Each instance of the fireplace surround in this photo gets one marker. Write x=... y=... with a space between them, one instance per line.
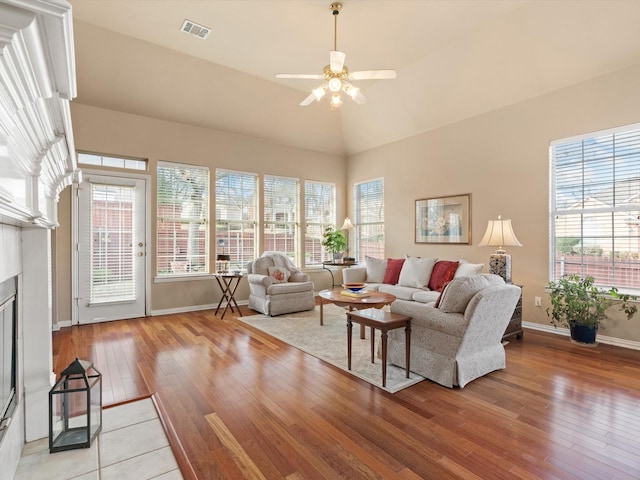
x=37 y=161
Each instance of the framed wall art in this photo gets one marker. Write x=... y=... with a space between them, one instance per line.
x=443 y=220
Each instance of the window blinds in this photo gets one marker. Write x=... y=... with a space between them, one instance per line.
x=369 y=216
x=595 y=207
x=182 y=219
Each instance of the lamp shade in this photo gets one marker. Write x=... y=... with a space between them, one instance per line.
x=347 y=225
x=499 y=234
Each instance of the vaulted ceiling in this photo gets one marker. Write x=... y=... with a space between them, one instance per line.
x=455 y=59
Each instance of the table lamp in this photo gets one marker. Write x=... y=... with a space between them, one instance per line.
x=500 y=234
x=347 y=225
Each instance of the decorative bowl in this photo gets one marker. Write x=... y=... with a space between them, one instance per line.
x=354 y=287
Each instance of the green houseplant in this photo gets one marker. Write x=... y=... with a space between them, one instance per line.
x=334 y=241
x=577 y=304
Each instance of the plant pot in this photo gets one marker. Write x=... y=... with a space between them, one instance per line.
x=337 y=256
x=583 y=334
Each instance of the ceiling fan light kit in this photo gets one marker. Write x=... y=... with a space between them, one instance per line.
x=337 y=76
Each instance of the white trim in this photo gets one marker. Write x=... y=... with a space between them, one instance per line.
x=187 y=309
x=182 y=278
x=163 y=163
x=618 y=342
x=595 y=134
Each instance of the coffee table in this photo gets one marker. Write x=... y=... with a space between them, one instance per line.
x=373 y=300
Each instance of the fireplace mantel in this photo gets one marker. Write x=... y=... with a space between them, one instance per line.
x=37 y=82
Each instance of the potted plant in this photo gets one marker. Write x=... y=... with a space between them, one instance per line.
x=576 y=303
x=334 y=241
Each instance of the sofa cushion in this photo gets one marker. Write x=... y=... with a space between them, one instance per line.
x=416 y=272
x=443 y=272
x=425 y=296
x=278 y=274
x=289 y=287
x=376 y=268
x=404 y=293
x=466 y=269
x=457 y=294
x=394 y=267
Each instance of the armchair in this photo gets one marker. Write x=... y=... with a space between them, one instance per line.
x=277 y=286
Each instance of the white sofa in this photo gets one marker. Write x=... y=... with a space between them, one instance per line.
x=277 y=286
x=456 y=334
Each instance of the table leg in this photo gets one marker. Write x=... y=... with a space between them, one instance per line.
x=321 y=312
x=233 y=294
x=373 y=336
x=407 y=339
x=384 y=358
x=349 y=330
x=362 y=331
x=222 y=297
x=228 y=295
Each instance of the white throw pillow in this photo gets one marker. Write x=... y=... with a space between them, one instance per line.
x=279 y=274
x=376 y=269
x=466 y=269
x=416 y=272
x=457 y=294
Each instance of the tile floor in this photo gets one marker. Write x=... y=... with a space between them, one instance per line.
x=131 y=446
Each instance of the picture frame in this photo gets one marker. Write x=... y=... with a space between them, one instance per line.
x=443 y=220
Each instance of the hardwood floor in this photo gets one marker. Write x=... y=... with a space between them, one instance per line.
x=245 y=405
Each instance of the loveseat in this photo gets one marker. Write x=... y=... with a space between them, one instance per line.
x=457 y=325
x=277 y=286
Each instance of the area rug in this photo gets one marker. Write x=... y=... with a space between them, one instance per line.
x=329 y=343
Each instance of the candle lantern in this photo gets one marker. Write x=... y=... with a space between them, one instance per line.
x=222 y=263
x=75 y=407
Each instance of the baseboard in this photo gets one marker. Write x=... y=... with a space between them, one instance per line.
x=618 y=342
x=60 y=324
x=192 y=308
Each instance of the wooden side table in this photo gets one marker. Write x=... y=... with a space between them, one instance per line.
x=326 y=265
x=383 y=321
x=228 y=283
x=514 y=328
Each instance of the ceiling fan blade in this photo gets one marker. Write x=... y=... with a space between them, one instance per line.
x=307 y=101
x=373 y=75
x=359 y=97
x=299 y=75
x=336 y=60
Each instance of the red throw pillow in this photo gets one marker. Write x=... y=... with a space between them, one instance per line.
x=394 y=266
x=443 y=272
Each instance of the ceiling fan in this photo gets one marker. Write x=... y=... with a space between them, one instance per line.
x=337 y=77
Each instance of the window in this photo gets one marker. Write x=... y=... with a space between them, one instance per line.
x=236 y=216
x=281 y=215
x=369 y=209
x=320 y=213
x=182 y=219
x=116 y=162
x=595 y=207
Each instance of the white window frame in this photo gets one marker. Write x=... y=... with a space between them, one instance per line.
x=320 y=213
x=232 y=227
x=368 y=219
x=279 y=218
x=199 y=222
x=601 y=212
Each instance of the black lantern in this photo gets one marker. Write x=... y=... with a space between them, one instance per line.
x=75 y=407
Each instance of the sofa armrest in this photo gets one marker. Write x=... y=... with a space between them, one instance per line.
x=354 y=274
x=259 y=279
x=299 y=277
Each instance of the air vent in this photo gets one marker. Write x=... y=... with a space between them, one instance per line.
x=195 y=29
